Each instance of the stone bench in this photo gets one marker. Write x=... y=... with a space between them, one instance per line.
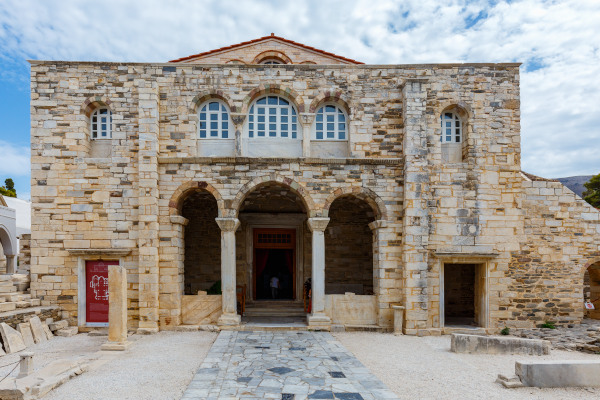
x=474 y=344
x=549 y=374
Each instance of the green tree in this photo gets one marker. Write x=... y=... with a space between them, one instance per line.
x=8 y=189
x=592 y=194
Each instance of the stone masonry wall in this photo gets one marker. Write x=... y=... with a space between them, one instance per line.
x=562 y=238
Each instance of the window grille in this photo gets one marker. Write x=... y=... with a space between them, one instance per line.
x=214 y=121
x=101 y=124
x=331 y=124
x=272 y=116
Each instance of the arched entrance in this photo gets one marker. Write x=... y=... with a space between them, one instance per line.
x=349 y=247
x=7 y=251
x=591 y=290
x=273 y=245
x=202 y=243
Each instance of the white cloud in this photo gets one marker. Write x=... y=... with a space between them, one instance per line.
x=15 y=160
x=556 y=39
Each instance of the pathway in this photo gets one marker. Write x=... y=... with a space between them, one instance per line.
x=283 y=365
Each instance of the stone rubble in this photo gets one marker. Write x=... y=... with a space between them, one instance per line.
x=584 y=337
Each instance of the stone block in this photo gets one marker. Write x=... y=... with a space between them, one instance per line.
x=47 y=331
x=55 y=326
x=67 y=332
x=25 y=331
x=13 y=341
x=474 y=344
x=37 y=330
x=555 y=373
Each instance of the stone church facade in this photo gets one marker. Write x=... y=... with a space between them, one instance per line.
x=385 y=184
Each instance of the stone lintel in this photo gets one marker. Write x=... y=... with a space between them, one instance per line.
x=459 y=255
x=109 y=252
x=179 y=220
x=228 y=224
x=317 y=224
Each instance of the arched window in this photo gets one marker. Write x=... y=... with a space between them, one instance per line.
x=272 y=116
x=214 y=120
x=331 y=123
x=451 y=125
x=271 y=61
x=101 y=123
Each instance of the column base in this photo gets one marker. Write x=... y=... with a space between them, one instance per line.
x=147 y=331
x=115 y=346
x=319 y=321
x=229 y=319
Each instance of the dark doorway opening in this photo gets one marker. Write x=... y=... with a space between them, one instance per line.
x=459 y=294
x=275 y=267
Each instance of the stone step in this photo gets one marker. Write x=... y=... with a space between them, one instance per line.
x=10 y=306
x=274 y=313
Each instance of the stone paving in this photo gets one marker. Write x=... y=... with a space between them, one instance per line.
x=283 y=365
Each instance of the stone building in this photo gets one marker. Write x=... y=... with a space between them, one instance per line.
x=8 y=238
x=384 y=184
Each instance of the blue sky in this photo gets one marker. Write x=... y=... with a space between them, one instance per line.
x=558 y=43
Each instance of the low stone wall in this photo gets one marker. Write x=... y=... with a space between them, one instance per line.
x=498 y=345
x=18 y=316
x=350 y=309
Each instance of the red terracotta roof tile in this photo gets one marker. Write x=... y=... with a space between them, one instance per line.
x=272 y=36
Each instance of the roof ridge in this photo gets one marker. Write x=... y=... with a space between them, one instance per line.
x=272 y=36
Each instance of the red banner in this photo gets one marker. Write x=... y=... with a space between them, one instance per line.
x=96 y=278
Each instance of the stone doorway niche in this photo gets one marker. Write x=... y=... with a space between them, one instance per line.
x=591 y=290
x=274 y=256
x=463 y=300
x=202 y=244
x=273 y=208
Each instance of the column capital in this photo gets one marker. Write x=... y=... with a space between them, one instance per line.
x=380 y=223
x=228 y=224
x=317 y=224
x=307 y=118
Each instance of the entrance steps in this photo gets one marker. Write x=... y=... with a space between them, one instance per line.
x=274 y=309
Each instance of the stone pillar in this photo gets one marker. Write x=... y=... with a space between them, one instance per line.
x=25 y=365
x=307 y=120
x=238 y=123
x=117 y=309
x=11 y=264
x=416 y=214
x=148 y=241
x=317 y=318
x=228 y=227
x=383 y=284
x=398 y=319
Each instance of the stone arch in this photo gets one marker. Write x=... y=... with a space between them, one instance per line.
x=260 y=181
x=272 y=54
x=464 y=109
x=595 y=260
x=236 y=61
x=370 y=197
x=329 y=97
x=176 y=201
x=273 y=88
x=9 y=244
x=213 y=94
x=92 y=103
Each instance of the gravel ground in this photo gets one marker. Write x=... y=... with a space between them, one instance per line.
x=424 y=368
x=154 y=367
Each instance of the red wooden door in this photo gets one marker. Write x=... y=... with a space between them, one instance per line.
x=96 y=278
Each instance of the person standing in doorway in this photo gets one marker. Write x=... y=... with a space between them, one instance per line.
x=274 y=286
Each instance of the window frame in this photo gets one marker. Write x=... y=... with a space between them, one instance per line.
x=219 y=113
x=339 y=111
x=292 y=115
x=456 y=130
x=95 y=119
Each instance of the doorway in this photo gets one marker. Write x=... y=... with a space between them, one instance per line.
x=464 y=295
x=274 y=264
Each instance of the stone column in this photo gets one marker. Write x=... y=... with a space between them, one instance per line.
x=228 y=227
x=238 y=123
x=11 y=264
x=307 y=120
x=117 y=309
x=384 y=285
x=317 y=317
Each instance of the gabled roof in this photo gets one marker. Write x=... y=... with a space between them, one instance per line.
x=262 y=39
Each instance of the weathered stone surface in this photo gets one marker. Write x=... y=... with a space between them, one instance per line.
x=117 y=313
x=54 y=326
x=201 y=309
x=47 y=331
x=12 y=340
x=37 y=330
x=557 y=373
x=475 y=344
x=25 y=331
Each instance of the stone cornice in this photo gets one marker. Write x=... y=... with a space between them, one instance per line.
x=109 y=252
x=279 y=160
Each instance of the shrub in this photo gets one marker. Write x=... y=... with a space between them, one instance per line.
x=505 y=331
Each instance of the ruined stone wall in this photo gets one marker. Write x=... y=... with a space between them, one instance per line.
x=562 y=238
x=25 y=252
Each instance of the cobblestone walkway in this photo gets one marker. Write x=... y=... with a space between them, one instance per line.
x=283 y=365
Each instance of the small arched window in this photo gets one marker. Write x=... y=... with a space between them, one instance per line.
x=331 y=123
x=272 y=116
x=214 y=120
x=101 y=123
x=271 y=61
x=451 y=125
